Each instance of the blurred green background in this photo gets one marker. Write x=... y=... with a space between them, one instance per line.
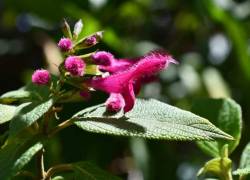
x=210 y=39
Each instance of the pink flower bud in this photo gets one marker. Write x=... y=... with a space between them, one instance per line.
x=115 y=102
x=41 y=77
x=103 y=58
x=90 y=41
x=75 y=65
x=65 y=44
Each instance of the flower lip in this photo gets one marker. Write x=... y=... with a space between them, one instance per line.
x=41 y=77
x=75 y=65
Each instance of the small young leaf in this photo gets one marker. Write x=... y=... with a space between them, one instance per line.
x=226 y=115
x=77 y=29
x=149 y=119
x=6 y=113
x=15 y=155
x=244 y=162
x=27 y=114
x=66 y=29
x=216 y=167
x=92 y=70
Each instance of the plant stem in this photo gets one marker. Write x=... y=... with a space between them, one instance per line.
x=242 y=177
x=61 y=126
x=58 y=168
x=40 y=164
x=226 y=164
x=27 y=174
x=228 y=176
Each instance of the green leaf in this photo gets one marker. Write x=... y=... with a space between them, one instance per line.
x=15 y=155
x=216 y=167
x=6 y=113
x=86 y=171
x=92 y=70
x=66 y=29
x=27 y=114
x=3 y=138
x=244 y=162
x=226 y=115
x=149 y=119
x=30 y=92
x=15 y=95
x=77 y=29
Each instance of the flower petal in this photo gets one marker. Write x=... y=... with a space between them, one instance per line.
x=129 y=97
x=112 y=84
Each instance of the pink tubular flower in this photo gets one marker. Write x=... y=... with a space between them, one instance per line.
x=117 y=65
x=41 y=77
x=75 y=65
x=103 y=58
x=65 y=44
x=115 y=102
x=126 y=82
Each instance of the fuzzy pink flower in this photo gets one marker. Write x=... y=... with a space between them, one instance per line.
x=65 y=44
x=103 y=58
x=115 y=102
x=75 y=65
x=41 y=77
x=90 y=41
x=127 y=81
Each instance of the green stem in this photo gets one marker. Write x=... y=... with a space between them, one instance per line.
x=226 y=164
x=61 y=126
x=27 y=174
x=40 y=164
x=58 y=168
x=228 y=175
x=242 y=177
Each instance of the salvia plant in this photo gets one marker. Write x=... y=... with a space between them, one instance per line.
x=31 y=110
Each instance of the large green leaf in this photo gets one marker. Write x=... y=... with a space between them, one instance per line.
x=6 y=113
x=226 y=115
x=244 y=162
x=149 y=119
x=15 y=155
x=86 y=171
x=27 y=114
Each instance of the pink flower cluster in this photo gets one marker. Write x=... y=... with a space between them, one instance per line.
x=123 y=77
